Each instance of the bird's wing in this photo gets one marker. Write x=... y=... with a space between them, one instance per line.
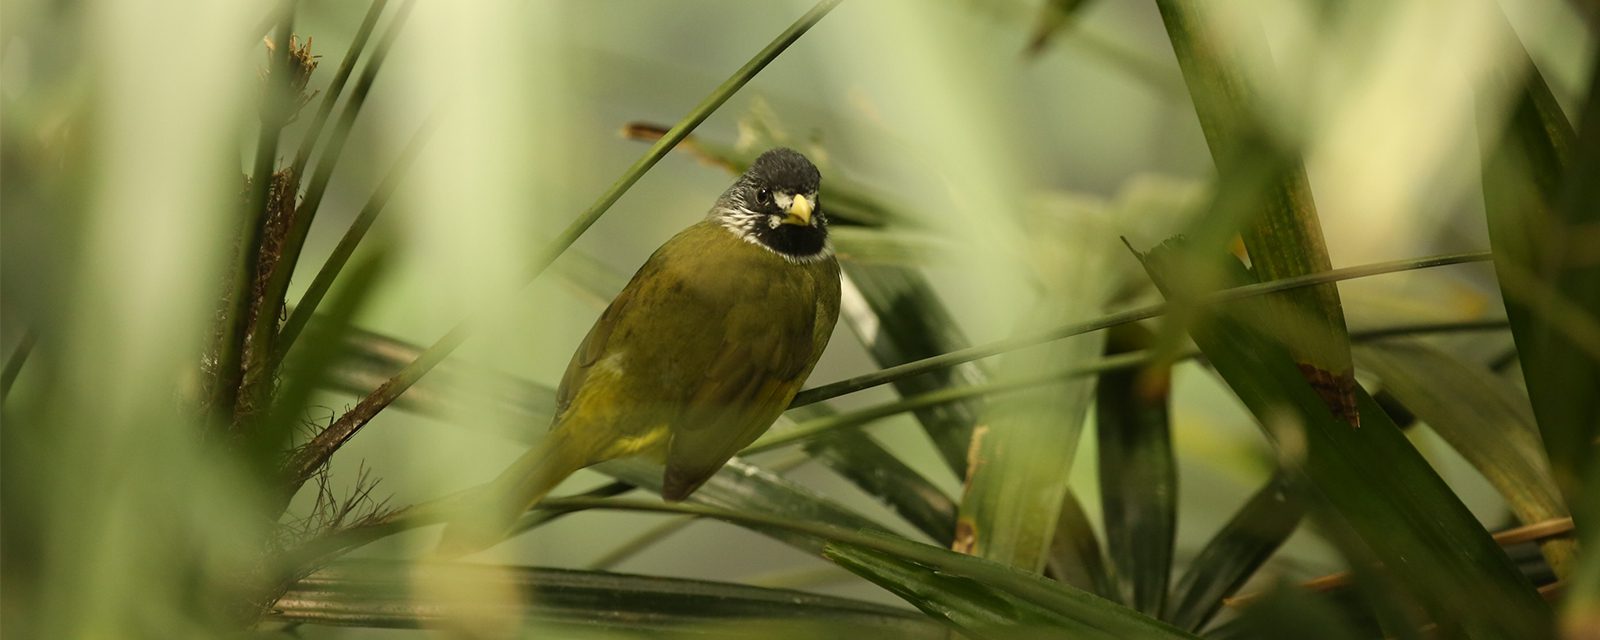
x=595 y=343
x=758 y=365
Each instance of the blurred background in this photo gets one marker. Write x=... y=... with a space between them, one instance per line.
x=1014 y=149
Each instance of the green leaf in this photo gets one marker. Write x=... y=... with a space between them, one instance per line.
x=1371 y=476
x=1281 y=232
x=1483 y=418
x=1234 y=554
x=1138 y=475
x=387 y=594
x=1539 y=199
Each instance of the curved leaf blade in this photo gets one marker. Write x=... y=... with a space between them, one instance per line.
x=1138 y=474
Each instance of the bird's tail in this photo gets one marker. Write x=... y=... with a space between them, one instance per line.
x=490 y=512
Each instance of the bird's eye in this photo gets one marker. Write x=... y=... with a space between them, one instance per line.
x=764 y=195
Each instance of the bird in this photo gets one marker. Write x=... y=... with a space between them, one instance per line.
x=697 y=356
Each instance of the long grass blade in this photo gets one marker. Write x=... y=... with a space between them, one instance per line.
x=317 y=452
x=1282 y=233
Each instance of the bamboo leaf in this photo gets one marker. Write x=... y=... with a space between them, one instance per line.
x=1138 y=475
x=385 y=594
x=1234 y=554
x=1372 y=477
x=1282 y=232
x=1539 y=194
x=1489 y=423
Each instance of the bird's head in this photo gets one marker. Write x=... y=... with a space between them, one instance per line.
x=774 y=204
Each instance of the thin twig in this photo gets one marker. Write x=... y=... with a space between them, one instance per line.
x=317 y=452
x=942 y=361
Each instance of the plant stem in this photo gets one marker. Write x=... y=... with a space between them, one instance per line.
x=316 y=453
x=229 y=372
x=918 y=367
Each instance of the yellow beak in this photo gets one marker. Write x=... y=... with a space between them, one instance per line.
x=799 y=211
